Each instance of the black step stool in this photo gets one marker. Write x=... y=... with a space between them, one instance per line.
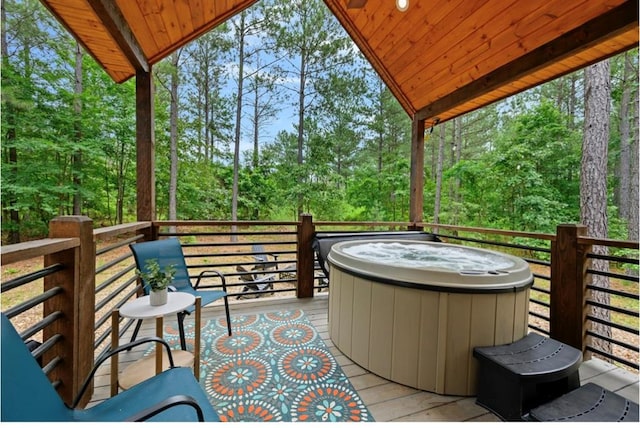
x=589 y=403
x=514 y=378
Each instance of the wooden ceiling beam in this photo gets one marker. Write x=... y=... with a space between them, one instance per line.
x=615 y=22
x=356 y=4
x=114 y=22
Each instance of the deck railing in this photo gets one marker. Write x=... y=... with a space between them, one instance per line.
x=86 y=273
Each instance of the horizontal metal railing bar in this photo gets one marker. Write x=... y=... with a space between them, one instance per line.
x=613 y=291
x=112 y=263
x=55 y=362
x=613 y=275
x=613 y=308
x=121 y=273
x=540 y=276
x=391 y=225
x=541 y=290
x=220 y=255
x=40 y=325
x=496 y=243
x=539 y=302
x=46 y=345
x=121 y=302
x=236 y=233
x=102 y=303
x=225 y=244
x=614 y=341
x=30 y=277
x=614 y=325
x=117 y=245
x=246 y=244
x=617 y=259
x=107 y=334
x=34 y=301
x=536 y=328
x=488 y=231
x=215 y=266
x=612 y=357
x=240 y=223
x=258 y=292
x=537 y=262
x=262 y=273
x=541 y=316
x=588 y=240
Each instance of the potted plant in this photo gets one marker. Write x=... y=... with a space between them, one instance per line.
x=157 y=279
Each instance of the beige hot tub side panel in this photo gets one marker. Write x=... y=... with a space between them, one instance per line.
x=421 y=338
x=361 y=327
x=406 y=335
x=346 y=314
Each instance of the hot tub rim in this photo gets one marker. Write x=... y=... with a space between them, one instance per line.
x=461 y=289
x=470 y=288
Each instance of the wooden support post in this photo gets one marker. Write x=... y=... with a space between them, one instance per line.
x=568 y=286
x=145 y=147
x=416 y=198
x=305 y=272
x=76 y=302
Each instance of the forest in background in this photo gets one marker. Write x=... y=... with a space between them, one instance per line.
x=276 y=113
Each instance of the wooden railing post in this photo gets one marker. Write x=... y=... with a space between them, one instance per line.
x=568 y=286
x=305 y=272
x=76 y=302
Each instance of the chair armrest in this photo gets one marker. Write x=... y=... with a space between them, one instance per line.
x=215 y=274
x=113 y=352
x=174 y=400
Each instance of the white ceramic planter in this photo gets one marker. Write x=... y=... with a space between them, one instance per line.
x=158 y=298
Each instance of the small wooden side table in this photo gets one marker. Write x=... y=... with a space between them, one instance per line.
x=157 y=362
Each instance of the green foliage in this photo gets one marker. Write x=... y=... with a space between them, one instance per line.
x=512 y=165
x=155 y=277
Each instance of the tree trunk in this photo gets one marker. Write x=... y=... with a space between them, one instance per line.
x=457 y=199
x=10 y=137
x=624 y=162
x=436 y=208
x=236 y=149
x=173 y=140
x=301 y=111
x=593 y=185
x=634 y=180
x=256 y=128
x=76 y=162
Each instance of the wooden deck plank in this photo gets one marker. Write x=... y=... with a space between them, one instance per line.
x=404 y=406
x=460 y=410
x=387 y=401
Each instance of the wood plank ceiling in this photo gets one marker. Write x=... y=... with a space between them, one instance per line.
x=440 y=59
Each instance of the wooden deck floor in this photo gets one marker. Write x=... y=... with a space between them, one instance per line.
x=387 y=401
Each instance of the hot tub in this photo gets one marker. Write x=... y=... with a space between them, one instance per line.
x=412 y=312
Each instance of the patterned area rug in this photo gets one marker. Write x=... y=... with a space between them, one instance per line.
x=275 y=367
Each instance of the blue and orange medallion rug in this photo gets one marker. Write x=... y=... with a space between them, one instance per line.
x=275 y=367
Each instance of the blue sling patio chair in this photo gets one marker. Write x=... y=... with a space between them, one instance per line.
x=168 y=252
x=28 y=396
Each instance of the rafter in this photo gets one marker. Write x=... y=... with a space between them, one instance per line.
x=617 y=21
x=115 y=23
x=356 y=4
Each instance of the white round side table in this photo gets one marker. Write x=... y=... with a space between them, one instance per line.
x=157 y=362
